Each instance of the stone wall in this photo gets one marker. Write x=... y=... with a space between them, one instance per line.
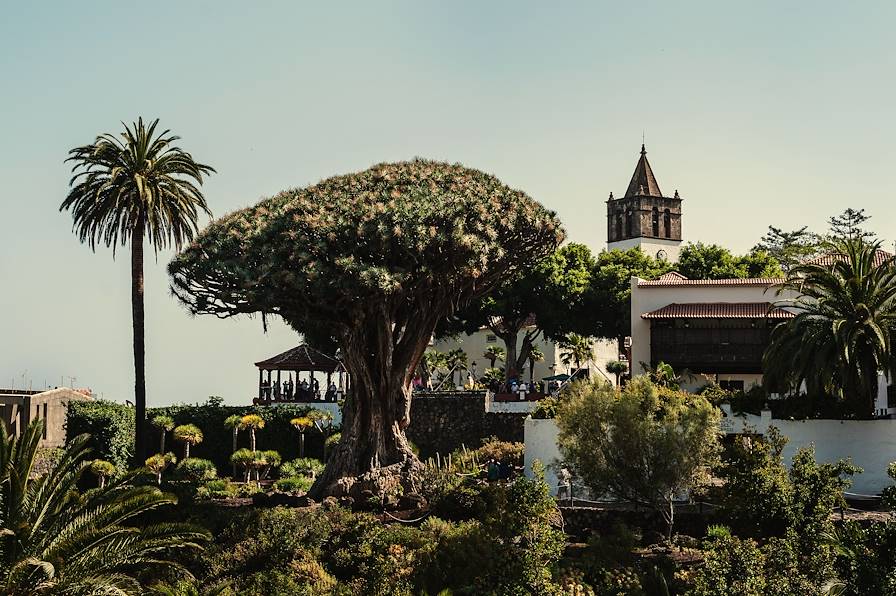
x=442 y=424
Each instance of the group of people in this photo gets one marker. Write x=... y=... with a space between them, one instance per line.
x=303 y=392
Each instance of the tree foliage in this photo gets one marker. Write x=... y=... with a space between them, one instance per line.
x=849 y=226
x=788 y=248
x=374 y=259
x=711 y=261
x=841 y=338
x=638 y=445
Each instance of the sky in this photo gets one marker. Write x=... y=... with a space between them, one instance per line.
x=759 y=113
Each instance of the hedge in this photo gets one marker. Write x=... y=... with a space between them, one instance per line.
x=111 y=426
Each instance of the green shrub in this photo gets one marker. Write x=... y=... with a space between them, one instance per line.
x=110 y=426
x=546 y=409
x=220 y=488
x=293 y=484
x=196 y=469
x=303 y=466
x=501 y=451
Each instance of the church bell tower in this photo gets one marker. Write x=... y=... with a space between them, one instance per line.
x=644 y=218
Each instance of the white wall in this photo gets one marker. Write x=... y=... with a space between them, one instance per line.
x=870 y=444
x=540 y=437
x=650 y=246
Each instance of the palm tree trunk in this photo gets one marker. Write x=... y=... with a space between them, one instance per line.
x=252 y=438
x=235 y=431
x=162 y=445
x=139 y=347
x=301 y=444
x=186 y=450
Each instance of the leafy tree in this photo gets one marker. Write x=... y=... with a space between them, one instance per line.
x=840 y=339
x=105 y=541
x=188 y=434
x=848 y=226
x=493 y=354
x=535 y=355
x=253 y=422
x=165 y=424
x=788 y=248
x=103 y=470
x=576 y=348
x=550 y=298
x=634 y=445
x=376 y=259
x=124 y=190
x=617 y=368
x=158 y=463
x=711 y=261
x=611 y=289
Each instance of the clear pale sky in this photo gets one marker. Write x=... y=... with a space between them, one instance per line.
x=758 y=113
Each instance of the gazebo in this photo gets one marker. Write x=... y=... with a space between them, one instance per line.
x=301 y=359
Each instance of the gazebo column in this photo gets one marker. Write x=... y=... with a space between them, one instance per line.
x=260 y=383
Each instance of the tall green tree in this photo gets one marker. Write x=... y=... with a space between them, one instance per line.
x=711 y=261
x=611 y=289
x=56 y=540
x=550 y=298
x=849 y=226
x=377 y=258
x=841 y=338
x=127 y=188
x=788 y=248
x=636 y=445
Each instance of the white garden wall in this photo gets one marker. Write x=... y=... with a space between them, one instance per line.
x=870 y=444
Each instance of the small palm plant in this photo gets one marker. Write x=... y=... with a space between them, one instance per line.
x=493 y=354
x=457 y=361
x=233 y=422
x=188 y=434
x=158 y=463
x=302 y=423
x=535 y=355
x=102 y=469
x=618 y=368
x=576 y=348
x=253 y=422
x=165 y=424
x=56 y=540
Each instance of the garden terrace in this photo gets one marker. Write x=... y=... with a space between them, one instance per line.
x=274 y=389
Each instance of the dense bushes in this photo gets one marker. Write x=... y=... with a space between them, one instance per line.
x=111 y=426
x=513 y=549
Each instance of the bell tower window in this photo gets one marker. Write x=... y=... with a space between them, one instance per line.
x=655 y=220
x=667 y=223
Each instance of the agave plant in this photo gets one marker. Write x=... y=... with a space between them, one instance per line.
x=56 y=540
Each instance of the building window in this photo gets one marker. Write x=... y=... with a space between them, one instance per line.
x=656 y=222
x=667 y=224
x=491 y=338
x=628 y=225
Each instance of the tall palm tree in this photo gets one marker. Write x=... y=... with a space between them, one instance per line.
x=576 y=348
x=56 y=540
x=126 y=188
x=535 y=355
x=841 y=338
x=494 y=353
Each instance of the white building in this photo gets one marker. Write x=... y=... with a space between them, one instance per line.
x=713 y=328
x=476 y=344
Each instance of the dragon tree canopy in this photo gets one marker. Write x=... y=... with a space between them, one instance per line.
x=300 y=359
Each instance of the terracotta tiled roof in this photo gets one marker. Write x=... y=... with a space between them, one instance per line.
x=301 y=358
x=643 y=181
x=880 y=257
x=665 y=281
x=719 y=310
x=671 y=276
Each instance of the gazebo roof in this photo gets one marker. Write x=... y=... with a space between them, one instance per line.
x=301 y=358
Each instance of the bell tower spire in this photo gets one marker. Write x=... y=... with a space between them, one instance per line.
x=643 y=217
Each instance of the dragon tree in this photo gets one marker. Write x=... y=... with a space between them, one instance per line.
x=372 y=260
